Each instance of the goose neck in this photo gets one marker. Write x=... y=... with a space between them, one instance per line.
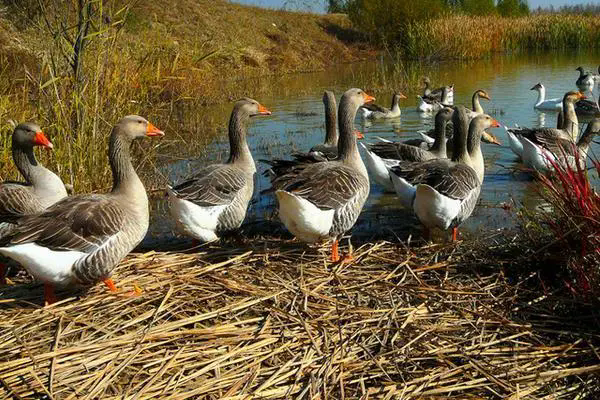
x=125 y=180
x=347 y=148
x=476 y=104
x=541 y=95
x=439 y=144
x=570 y=120
x=331 y=134
x=239 y=152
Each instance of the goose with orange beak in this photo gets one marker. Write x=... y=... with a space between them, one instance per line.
x=214 y=200
x=81 y=239
x=41 y=187
x=443 y=193
x=322 y=201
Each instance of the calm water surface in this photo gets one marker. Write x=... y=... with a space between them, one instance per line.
x=297 y=124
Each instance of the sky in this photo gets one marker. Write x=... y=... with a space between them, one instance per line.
x=319 y=5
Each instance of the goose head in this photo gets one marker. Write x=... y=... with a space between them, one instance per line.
x=398 y=96
x=487 y=137
x=538 y=86
x=250 y=107
x=483 y=94
x=573 y=96
x=136 y=127
x=29 y=134
x=580 y=69
x=426 y=81
x=445 y=114
x=484 y=121
x=356 y=97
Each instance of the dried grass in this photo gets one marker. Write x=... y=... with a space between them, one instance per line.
x=274 y=319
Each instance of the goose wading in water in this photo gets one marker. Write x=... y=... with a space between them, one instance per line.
x=582 y=106
x=431 y=105
x=215 y=199
x=318 y=201
x=437 y=94
x=41 y=187
x=570 y=130
x=326 y=151
x=374 y=111
x=443 y=193
x=427 y=138
x=545 y=154
x=381 y=156
x=586 y=81
x=81 y=239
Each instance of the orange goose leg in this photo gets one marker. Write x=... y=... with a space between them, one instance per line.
x=335 y=256
x=49 y=297
x=111 y=285
x=454 y=234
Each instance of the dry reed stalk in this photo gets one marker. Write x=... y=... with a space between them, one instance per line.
x=274 y=320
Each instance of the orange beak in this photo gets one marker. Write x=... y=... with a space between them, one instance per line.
x=581 y=96
x=367 y=98
x=359 y=135
x=489 y=138
x=41 y=140
x=262 y=110
x=402 y=96
x=495 y=124
x=151 y=130
x=485 y=96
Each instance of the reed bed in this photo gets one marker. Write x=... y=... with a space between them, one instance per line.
x=272 y=319
x=473 y=37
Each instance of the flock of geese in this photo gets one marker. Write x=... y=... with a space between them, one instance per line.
x=66 y=240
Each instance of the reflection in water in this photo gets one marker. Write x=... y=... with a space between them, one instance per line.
x=297 y=123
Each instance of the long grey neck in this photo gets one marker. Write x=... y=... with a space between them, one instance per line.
x=395 y=104
x=570 y=121
x=347 y=148
x=239 y=151
x=476 y=105
x=439 y=144
x=125 y=179
x=27 y=164
x=445 y=93
x=474 y=148
x=331 y=134
x=46 y=184
x=461 y=129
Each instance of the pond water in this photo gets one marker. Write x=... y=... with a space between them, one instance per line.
x=297 y=124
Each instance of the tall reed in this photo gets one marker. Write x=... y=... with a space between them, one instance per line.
x=471 y=37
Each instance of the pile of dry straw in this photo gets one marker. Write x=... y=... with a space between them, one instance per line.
x=275 y=319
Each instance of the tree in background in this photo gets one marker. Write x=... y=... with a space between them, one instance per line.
x=478 y=7
x=513 y=8
x=337 y=6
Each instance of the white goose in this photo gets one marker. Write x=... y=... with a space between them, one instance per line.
x=322 y=200
x=215 y=199
x=443 y=193
x=374 y=111
x=570 y=128
x=546 y=104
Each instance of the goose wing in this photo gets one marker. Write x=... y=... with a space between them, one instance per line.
x=80 y=223
x=16 y=201
x=375 y=107
x=328 y=186
x=212 y=186
x=541 y=136
x=451 y=179
x=400 y=151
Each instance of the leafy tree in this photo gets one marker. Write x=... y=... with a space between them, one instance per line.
x=513 y=8
x=479 y=7
x=337 y=6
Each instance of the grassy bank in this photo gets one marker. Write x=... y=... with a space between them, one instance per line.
x=269 y=319
x=465 y=37
x=142 y=57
